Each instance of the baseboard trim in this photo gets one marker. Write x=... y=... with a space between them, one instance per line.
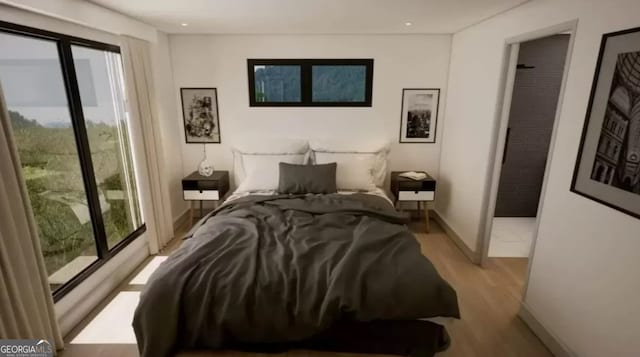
x=181 y=219
x=455 y=237
x=552 y=342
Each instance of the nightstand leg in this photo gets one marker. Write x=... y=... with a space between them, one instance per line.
x=191 y=213
x=426 y=216
x=201 y=214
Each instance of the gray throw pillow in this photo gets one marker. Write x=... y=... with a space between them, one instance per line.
x=307 y=178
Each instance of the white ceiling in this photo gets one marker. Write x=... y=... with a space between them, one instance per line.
x=310 y=16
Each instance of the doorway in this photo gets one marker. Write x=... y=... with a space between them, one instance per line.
x=532 y=86
x=534 y=101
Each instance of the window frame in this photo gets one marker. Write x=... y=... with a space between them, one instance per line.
x=306 y=80
x=76 y=112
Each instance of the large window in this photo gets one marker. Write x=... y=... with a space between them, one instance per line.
x=310 y=82
x=67 y=109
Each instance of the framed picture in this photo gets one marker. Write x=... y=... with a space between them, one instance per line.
x=200 y=113
x=608 y=165
x=419 y=115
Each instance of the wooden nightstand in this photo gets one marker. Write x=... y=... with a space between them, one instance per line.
x=196 y=187
x=419 y=191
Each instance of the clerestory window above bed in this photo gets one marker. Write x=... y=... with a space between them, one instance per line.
x=310 y=82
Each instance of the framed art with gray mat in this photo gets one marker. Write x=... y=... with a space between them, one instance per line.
x=608 y=165
x=419 y=115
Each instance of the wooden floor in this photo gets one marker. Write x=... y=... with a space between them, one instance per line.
x=489 y=301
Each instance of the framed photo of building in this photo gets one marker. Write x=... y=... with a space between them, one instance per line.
x=419 y=115
x=608 y=165
x=200 y=113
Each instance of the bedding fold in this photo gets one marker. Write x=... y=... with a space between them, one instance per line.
x=271 y=269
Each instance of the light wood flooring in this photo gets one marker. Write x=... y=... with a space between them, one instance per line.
x=489 y=301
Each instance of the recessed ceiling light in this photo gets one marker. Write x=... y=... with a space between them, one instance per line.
x=184 y=24
x=408 y=23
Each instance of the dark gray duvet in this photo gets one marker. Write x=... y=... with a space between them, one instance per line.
x=285 y=268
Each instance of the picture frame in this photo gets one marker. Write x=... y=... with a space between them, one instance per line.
x=607 y=168
x=200 y=115
x=419 y=115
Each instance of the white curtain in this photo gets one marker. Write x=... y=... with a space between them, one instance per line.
x=26 y=305
x=136 y=56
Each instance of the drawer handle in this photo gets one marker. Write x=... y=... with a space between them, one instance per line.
x=416 y=192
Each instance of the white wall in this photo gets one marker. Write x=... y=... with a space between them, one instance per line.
x=28 y=18
x=401 y=61
x=585 y=273
x=85 y=13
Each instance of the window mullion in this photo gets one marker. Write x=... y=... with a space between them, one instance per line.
x=305 y=82
x=82 y=142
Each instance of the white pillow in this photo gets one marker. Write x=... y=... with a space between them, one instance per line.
x=376 y=149
x=350 y=145
x=259 y=145
x=262 y=172
x=253 y=144
x=353 y=172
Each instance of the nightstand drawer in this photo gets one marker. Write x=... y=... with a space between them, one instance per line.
x=194 y=185
x=210 y=195
x=410 y=185
x=416 y=195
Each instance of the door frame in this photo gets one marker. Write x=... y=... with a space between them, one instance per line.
x=501 y=122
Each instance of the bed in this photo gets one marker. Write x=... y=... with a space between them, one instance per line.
x=268 y=268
